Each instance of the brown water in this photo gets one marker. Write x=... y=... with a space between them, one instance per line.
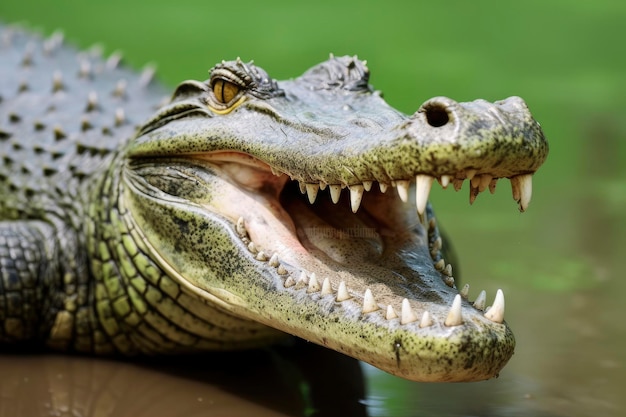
x=560 y=265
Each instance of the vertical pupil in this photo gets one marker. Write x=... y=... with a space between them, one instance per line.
x=221 y=85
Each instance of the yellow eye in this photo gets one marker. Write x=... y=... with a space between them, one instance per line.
x=225 y=91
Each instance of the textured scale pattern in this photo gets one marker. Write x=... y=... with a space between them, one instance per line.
x=63 y=114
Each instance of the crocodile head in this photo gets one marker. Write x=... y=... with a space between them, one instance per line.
x=272 y=201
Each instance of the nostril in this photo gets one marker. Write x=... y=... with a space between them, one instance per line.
x=436 y=114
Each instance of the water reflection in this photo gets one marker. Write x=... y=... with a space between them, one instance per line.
x=273 y=382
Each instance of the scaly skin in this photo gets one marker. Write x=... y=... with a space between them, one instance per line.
x=192 y=232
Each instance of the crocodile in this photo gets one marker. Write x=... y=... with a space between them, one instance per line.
x=241 y=211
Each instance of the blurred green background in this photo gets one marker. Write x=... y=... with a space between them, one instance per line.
x=566 y=58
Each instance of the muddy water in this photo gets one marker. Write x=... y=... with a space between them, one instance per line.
x=560 y=265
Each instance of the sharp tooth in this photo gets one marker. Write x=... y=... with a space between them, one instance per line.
x=440 y=264
x=449 y=281
x=342 y=292
x=356 y=194
x=426 y=321
x=437 y=244
x=311 y=192
x=323 y=185
x=302 y=187
x=432 y=223
x=457 y=184
x=335 y=193
x=290 y=282
x=448 y=270
x=473 y=193
x=496 y=312
x=465 y=291
x=274 y=261
x=367 y=185
x=326 y=287
x=391 y=313
x=492 y=185
x=369 y=304
x=403 y=190
x=302 y=281
x=455 y=317
x=241 y=228
x=422 y=189
x=261 y=256
x=479 y=303
x=383 y=187
x=252 y=247
x=526 y=190
x=444 y=181
x=475 y=181
x=281 y=270
x=469 y=173
x=485 y=180
x=407 y=314
x=314 y=285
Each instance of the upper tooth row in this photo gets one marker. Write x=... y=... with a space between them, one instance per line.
x=521 y=186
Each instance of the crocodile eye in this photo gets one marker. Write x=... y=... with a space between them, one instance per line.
x=225 y=91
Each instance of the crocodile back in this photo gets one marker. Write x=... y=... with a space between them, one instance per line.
x=63 y=115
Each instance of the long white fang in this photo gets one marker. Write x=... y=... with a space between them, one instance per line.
x=407 y=314
x=426 y=321
x=383 y=187
x=356 y=194
x=367 y=185
x=342 y=292
x=444 y=180
x=314 y=285
x=326 y=287
x=311 y=192
x=496 y=312
x=403 y=190
x=335 y=193
x=369 y=304
x=479 y=303
x=526 y=190
x=391 y=313
x=423 y=183
x=455 y=317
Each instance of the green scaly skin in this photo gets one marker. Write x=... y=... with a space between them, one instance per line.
x=135 y=225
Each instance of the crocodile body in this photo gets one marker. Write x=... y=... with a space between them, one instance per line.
x=241 y=209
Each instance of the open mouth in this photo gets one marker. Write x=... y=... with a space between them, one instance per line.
x=364 y=241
